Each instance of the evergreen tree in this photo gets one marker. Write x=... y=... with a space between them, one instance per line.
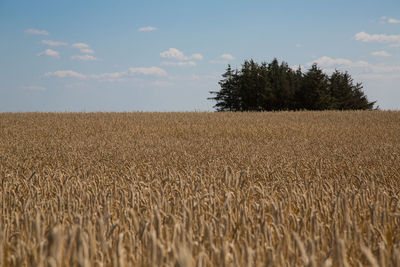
x=228 y=98
x=274 y=86
x=360 y=100
x=346 y=94
x=314 y=90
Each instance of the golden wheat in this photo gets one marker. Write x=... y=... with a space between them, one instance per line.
x=200 y=189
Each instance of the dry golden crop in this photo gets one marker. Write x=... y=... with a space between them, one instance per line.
x=200 y=189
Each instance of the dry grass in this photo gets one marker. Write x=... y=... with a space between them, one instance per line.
x=200 y=189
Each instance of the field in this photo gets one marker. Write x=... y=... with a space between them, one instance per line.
x=200 y=189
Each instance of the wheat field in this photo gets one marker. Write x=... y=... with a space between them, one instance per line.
x=200 y=189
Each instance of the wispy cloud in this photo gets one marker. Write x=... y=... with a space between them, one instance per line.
x=84 y=57
x=53 y=43
x=179 y=64
x=378 y=38
x=393 y=21
x=83 y=48
x=381 y=54
x=123 y=75
x=36 y=32
x=385 y=19
x=174 y=53
x=148 y=71
x=32 y=88
x=87 y=50
x=197 y=56
x=359 y=67
x=227 y=57
x=147 y=29
x=223 y=59
x=50 y=53
x=80 y=45
x=65 y=74
x=330 y=62
x=109 y=77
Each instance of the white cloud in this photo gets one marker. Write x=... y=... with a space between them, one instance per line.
x=298 y=45
x=177 y=54
x=393 y=21
x=227 y=57
x=80 y=45
x=50 y=53
x=148 y=71
x=385 y=19
x=381 y=54
x=147 y=29
x=173 y=53
x=197 y=56
x=53 y=43
x=361 y=68
x=36 y=32
x=83 y=48
x=32 y=88
x=112 y=75
x=330 y=62
x=179 y=64
x=65 y=74
x=222 y=59
x=108 y=77
x=379 y=38
x=84 y=57
x=86 y=50
x=126 y=75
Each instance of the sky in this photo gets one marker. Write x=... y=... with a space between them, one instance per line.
x=149 y=55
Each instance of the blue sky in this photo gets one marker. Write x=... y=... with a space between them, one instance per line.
x=166 y=55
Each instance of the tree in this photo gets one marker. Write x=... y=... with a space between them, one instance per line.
x=283 y=82
x=274 y=86
x=346 y=94
x=228 y=98
x=314 y=90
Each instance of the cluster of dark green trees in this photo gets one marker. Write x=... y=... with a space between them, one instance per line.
x=274 y=86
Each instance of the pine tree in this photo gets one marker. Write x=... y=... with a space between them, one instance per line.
x=274 y=86
x=346 y=94
x=228 y=98
x=314 y=91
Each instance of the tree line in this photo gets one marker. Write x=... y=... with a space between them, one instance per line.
x=273 y=86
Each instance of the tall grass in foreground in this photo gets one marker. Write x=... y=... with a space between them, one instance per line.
x=200 y=189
